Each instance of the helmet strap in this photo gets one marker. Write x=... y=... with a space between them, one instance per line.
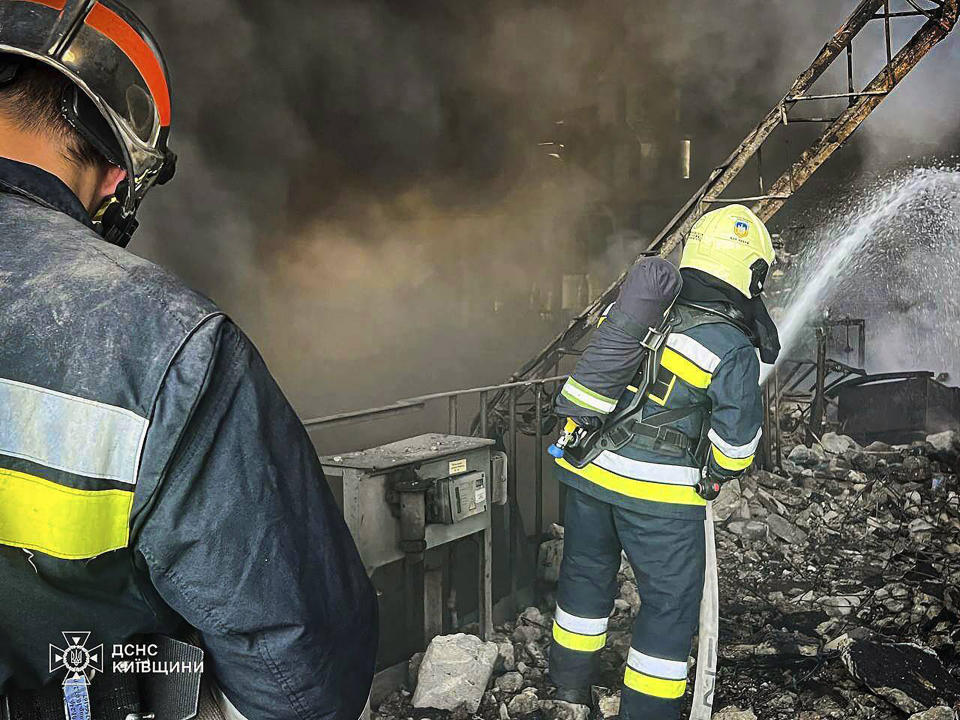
x=114 y=224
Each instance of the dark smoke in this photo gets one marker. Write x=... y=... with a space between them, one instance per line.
x=361 y=185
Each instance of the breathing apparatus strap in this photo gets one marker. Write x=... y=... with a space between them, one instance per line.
x=622 y=426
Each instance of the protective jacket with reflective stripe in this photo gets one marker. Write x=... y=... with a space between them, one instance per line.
x=152 y=475
x=711 y=366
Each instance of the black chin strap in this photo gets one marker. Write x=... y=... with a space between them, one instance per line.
x=114 y=225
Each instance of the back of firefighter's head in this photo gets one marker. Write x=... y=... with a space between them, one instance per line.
x=30 y=104
x=732 y=245
x=87 y=74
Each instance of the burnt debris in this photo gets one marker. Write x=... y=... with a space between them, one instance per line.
x=840 y=598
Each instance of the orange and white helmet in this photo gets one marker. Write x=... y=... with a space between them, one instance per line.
x=120 y=94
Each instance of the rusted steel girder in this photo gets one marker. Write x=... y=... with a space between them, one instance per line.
x=934 y=30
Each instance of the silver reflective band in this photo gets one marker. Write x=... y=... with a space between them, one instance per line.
x=694 y=351
x=653 y=472
x=735 y=452
x=574 y=392
x=580 y=625
x=658 y=667
x=70 y=433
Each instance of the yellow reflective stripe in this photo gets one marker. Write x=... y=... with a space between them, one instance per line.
x=66 y=523
x=649 y=685
x=575 y=641
x=663 y=400
x=685 y=369
x=655 y=492
x=729 y=463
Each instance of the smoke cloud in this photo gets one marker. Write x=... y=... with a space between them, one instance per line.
x=362 y=185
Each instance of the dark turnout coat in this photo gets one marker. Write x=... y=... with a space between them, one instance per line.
x=154 y=477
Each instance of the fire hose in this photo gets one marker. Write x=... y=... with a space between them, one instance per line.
x=706 y=681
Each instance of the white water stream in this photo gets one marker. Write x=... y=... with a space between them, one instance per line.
x=911 y=219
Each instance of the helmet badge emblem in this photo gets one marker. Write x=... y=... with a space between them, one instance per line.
x=741 y=228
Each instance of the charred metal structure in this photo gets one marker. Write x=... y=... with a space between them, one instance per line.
x=941 y=18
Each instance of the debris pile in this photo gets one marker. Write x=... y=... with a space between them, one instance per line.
x=840 y=598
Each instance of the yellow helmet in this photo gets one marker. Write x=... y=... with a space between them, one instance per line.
x=731 y=244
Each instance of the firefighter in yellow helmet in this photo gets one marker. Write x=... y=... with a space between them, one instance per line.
x=698 y=426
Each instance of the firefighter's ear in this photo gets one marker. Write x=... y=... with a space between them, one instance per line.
x=110 y=178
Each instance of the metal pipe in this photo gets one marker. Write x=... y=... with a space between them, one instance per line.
x=818 y=409
x=760 y=169
x=483 y=413
x=766 y=448
x=834 y=96
x=862 y=345
x=453 y=407
x=889 y=41
x=778 y=433
x=538 y=465
x=512 y=498
x=745 y=199
x=419 y=402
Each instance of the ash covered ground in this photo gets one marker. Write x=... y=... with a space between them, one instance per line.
x=839 y=598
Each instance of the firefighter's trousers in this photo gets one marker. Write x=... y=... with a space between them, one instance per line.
x=667 y=556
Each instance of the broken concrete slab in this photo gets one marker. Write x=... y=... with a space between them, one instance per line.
x=838 y=444
x=909 y=676
x=807 y=457
x=947 y=441
x=941 y=712
x=727 y=502
x=548 y=560
x=507 y=658
x=455 y=672
x=839 y=605
x=510 y=682
x=785 y=530
x=732 y=712
x=523 y=704
x=560 y=710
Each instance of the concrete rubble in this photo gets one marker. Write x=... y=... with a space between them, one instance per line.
x=840 y=599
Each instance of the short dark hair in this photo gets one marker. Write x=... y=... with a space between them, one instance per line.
x=32 y=100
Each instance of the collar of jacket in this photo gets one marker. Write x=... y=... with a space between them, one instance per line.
x=42 y=187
